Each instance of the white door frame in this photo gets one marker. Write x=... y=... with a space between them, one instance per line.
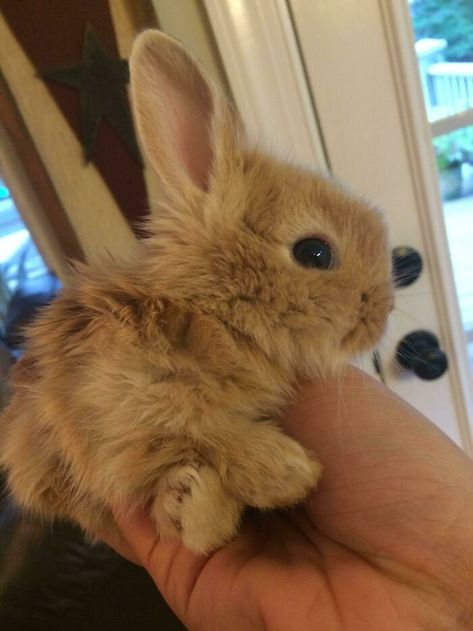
x=259 y=48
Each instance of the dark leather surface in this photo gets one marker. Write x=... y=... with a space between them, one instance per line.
x=52 y=580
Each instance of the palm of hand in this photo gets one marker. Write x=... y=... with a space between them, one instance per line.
x=385 y=542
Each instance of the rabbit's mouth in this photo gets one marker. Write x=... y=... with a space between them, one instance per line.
x=363 y=336
x=371 y=319
x=368 y=330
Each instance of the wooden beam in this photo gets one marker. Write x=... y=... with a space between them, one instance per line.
x=142 y=14
x=12 y=120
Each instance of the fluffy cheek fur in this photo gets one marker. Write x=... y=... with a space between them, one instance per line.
x=309 y=321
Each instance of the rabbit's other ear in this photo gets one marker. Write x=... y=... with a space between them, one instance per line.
x=184 y=122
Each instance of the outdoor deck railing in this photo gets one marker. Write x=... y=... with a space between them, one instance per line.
x=449 y=89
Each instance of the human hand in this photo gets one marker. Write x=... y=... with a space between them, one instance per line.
x=385 y=542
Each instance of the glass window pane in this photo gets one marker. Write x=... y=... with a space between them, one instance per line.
x=26 y=283
x=444 y=48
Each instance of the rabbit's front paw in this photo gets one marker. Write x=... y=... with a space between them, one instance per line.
x=278 y=472
x=191 y=503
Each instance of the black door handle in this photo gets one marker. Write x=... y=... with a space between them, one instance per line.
x=407 y=265
x=420 y=351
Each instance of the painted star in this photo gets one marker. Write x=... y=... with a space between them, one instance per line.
x=102 y=81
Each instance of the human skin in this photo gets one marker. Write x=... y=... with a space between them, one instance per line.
x=385 y=543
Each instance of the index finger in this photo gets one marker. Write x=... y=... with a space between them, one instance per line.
x=173 y=567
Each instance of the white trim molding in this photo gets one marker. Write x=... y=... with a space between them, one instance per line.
x=260 y=54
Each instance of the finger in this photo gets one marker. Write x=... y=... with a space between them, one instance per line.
x=138 y=533
x=392 y=481
x=369 y=441
x=323 y=404
x=117 y=542
x=354 y=418
x=173 y=567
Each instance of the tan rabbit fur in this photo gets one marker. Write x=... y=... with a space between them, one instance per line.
x=157 y=381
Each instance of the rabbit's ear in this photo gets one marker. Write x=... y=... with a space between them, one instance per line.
x=180 y=114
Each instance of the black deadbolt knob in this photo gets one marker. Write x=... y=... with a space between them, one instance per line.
x=420 y=351
x=407 y=265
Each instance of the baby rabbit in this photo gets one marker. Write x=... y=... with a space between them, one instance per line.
x=157 y=382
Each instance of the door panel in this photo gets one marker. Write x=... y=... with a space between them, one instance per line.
x=364 y=123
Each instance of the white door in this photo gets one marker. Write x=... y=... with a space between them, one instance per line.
x=347 y=72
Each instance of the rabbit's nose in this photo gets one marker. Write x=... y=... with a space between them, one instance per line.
x=378 y=300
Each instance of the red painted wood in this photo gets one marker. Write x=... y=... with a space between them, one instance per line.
x=51 y=32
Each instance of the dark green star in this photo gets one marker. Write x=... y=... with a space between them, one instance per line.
x=102 y=81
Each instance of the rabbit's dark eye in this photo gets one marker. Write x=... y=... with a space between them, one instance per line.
x=313 y=252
